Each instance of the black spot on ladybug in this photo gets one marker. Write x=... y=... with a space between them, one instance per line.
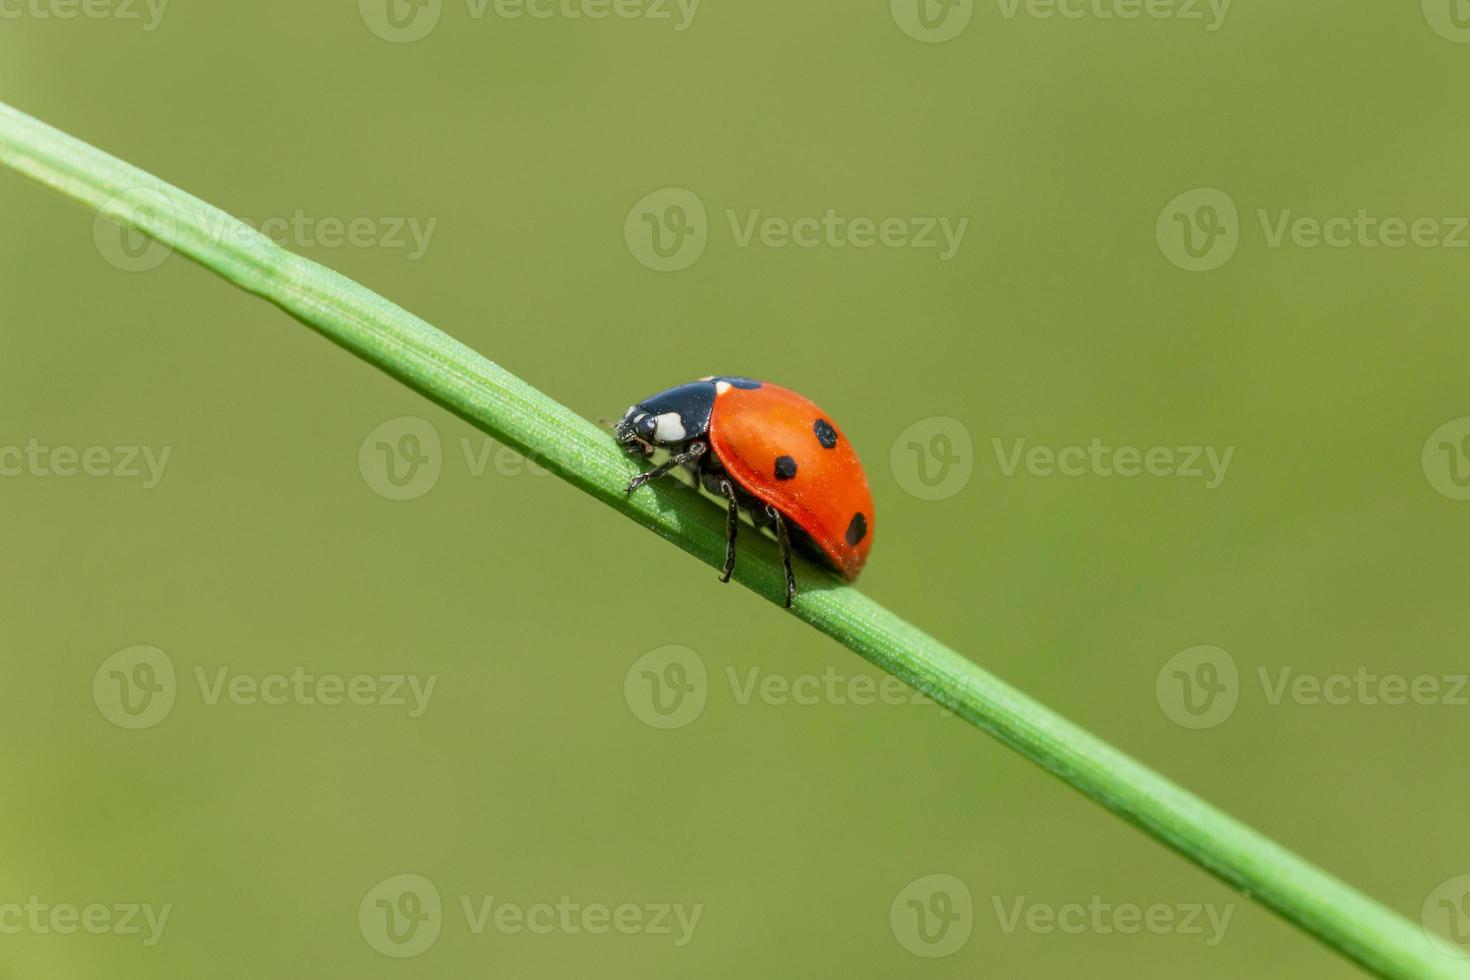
x=785 y=468
x=826 y=435
x=857 y=530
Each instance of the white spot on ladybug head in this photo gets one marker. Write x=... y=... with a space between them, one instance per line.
x=669 y=427
x=721 y=387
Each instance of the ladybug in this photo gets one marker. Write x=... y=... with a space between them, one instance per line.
x=769 y=451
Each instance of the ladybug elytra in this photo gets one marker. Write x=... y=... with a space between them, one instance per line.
x=768 y=451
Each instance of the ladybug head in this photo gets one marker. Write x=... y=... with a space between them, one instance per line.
x=638 y=431
x=668 y=419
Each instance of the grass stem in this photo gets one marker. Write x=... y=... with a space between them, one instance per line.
x=497 y=402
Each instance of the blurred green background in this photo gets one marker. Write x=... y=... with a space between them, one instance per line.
x=269 y=545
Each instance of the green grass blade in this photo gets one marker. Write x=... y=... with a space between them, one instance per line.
x=489 y=397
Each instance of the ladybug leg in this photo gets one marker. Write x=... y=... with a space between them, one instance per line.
x=695 y=450
x=785 y=541
x=731 y=527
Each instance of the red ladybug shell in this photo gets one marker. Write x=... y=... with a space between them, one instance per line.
x=789 y=454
